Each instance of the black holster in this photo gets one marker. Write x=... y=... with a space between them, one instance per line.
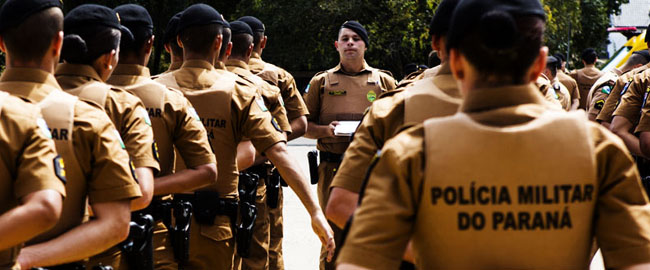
x=180 y=232
x=312 y=158
x=273 y=187
x=247 y=211
x=73 y=266
x=138 y=247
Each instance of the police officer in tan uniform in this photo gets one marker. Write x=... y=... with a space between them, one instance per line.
x=603 y=87
x=296 y=113
x=499 y=221
x=32 y=182
x=587 y=76
x=97 y=168
x=341 y=94
x=627 y=113
x=237 y=63
x=83 y=73
x=171 y=46
x=620 y=88
x=433 y=95
x=230 y=110
x=174 y=123
x=567 y=81
x=558 y=89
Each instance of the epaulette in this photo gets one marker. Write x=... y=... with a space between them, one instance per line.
x=411 y=78
x=390 y=93
x=387 y=72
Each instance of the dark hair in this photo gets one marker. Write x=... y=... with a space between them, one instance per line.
x=589 y=56
x=85 y=45
x=240 y=44
x=257 y=38
x=226 y=38
x=198 y=39
x=503 y=47
x=30 y=40
x=552 y=66
x=140 y=35
x=638 y=58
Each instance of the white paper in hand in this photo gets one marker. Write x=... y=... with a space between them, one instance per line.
x=346 y=128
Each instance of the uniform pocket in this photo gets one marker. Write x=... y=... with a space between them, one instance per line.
x=220 y=231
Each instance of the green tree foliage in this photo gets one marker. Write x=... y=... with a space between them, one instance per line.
x=579 y=24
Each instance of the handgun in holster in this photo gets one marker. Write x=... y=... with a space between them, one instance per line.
x=643 y=165
x=312 y=157
x=180 y=231
x=138 y=247
x=247 y=212
x=273 y=187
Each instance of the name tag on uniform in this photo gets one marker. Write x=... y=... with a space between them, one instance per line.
x=338 y=93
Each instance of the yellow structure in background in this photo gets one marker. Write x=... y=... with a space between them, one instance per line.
x=636 y=43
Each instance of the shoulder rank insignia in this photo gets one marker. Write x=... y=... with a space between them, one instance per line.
x=275 y=124
x=154 y=149
x=132 y=166
x=599 y=104
x=59 y=169
x=338 y=93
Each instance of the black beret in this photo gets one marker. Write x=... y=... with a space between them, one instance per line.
x=91 y=15
x=172 y=28
x=226 y=24
x=357 y=28
x=239 y=27
x=133 y=15
x=255 y=23
x=15 y=12
x=199 y=14
x=560 y=57
x=494 y=18
x=442 y=19
x=551 y=60
x=643 y=53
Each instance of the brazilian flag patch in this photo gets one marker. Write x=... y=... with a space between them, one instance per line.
x=606 y=89
x=154 y=149
x=59 y=169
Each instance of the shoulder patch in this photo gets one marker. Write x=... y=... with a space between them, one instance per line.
x=59 y=169
x=387 y=72
x=371 y=96
x=606 y=89
x=42 y=125
x=260 y=103
x=193 y=113
x=307 y=88
x=154 y=149
x=275 y=124
x=145 y=115
x=599 y=104
x=119 y=138
x=132 y=166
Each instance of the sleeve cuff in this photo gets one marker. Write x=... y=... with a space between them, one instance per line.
x=147 y=162
x=348 y=181
x=114 y=194
x=359 y=256
x=626 y=256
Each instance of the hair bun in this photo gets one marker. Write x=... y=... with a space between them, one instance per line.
x=74 y=49
x=498 y=29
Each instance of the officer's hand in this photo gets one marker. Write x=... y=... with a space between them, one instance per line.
x=325 y=234
x=332 y=126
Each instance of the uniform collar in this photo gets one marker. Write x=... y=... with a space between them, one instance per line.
x=44 y=81
x=256 y=55
x=197 y=64
x=339 y=68
x=77 y=70
x=445 y=69
x=220 y=65
x=237 y=63
x=132 y=70
x=484 y=99
x=174 y=66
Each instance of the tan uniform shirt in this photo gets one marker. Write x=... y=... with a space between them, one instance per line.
x=600 y=92
x=633 y=99
x=488 y=207
x=97 y=147
x=282 y=79
x=173 y=119
x=248 y=116
x=561 y=93
x=614 y=99
x=570 y=83
x=125 y=110
x=271 y=94
x=386 y=117
x=343 y=101
x=585 y=77
x=28 y=159
x=544 y=86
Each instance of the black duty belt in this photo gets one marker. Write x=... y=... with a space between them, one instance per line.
x=330 y=157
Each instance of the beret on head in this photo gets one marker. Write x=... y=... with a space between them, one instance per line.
x=442 y=19
x=552 y=60
x=15 y=12
x=133 y=15
x=226 y=24
x=91 y=15
x=239 y=27
x=171 y=31
x=197 y=15
x=357 y=28
x=493 y=19
x=560 y=57
x=255 y=24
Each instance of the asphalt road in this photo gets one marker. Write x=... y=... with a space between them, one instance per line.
x=301 y=246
